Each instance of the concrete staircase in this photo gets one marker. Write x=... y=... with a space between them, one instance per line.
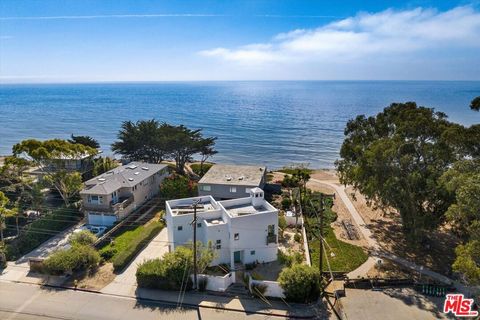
x=238 y=290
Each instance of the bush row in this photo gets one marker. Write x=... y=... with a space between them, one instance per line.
x=123 y=258
x=77 y=258
x=169 y=273
x=41 y=230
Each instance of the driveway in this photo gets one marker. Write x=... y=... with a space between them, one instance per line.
x=125 y=283
x=18 y=270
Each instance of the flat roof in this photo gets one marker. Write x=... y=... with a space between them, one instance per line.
x=234 y=175
x=127 y=175
x=185 y=206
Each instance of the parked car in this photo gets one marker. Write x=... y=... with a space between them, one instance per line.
x=98 y=231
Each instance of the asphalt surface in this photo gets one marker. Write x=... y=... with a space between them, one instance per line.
x=26 y=301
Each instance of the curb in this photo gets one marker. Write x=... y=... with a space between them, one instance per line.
x=189 y=305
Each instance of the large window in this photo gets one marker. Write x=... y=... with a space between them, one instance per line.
x=206 y=188
x=219 y=244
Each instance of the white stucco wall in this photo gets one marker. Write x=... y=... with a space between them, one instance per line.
x=274 y=289
x=217 y=283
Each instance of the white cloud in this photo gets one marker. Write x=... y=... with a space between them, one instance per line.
x=366 y=35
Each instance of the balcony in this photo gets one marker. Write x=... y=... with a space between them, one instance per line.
x=111 y=208
x=271 y=238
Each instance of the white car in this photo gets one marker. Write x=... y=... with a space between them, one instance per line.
x=96 y=230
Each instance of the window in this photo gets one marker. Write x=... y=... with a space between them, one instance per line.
x=199 y=225
x=233 y=189
x=247 y=190
x=179 y=228
x=271 y=229
x=252 y=253
x=206 y=188
x=219 y=244
x=236 y=236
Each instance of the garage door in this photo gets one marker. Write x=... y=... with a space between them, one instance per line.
x=98 y=219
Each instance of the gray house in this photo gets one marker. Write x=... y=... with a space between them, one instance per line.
x=231 y=181
x=113 y=195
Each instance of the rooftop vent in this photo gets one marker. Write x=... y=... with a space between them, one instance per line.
x=132 y=166
x=101 y=179
x=130 y=179
x=214 y=222
x=261 y=169
x=240 y=178
x=137 y=173
x=145 y=168
x=229 y=178
x=109 y=172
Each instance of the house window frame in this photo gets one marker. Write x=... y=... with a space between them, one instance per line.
x=179 y=228
x=252 y=252
x=206 y=187
x=233 y=189
x=236 y=236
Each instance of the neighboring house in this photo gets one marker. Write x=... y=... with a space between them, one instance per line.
x=240 y=230
x=231 y=181
x=82 y=164
x=113 y=195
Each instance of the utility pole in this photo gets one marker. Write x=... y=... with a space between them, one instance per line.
x=195 y=203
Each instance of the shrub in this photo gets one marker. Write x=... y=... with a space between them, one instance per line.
x=3 y=259
x=176 y=187
x=196 y=168
x=172 y=271
x=84 y=237
x=258 y=289
x=297 y=237
x=169 y=273
x=77 y=258
x=286 y=203
x=250 y=266
x=256 y=276
x=108 y=253
x=30 y=237
x=300 y=283
x=282 y=222
x=124 y=257
x=290 y=258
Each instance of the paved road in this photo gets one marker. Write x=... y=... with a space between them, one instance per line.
x=125 y=283
x=24 y=301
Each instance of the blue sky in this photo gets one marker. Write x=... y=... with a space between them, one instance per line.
x=111 y=40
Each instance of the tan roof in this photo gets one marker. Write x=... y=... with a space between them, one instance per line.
x=234 y=175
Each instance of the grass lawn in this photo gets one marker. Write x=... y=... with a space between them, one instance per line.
x=124 y=240
x=347 y=257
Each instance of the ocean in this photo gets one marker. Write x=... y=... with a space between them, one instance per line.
x=275 y=123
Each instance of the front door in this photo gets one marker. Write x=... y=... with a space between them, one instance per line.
x=237 y=257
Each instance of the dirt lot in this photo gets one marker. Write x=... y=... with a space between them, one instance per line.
x=94 y=280
x=437 y=254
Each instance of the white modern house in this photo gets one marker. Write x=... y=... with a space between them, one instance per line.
x=241 y=230
x=231 y=181
x=113 y=195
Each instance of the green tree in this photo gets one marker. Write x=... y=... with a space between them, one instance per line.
x=467 y=261
x=68 y=184
x=176 y=187
x=475 y=104
x=300 y=283
x=396 y=159
x=152 y=141
x=4 y=212
x=103 y=164
x=84 y=140
x=49 y=156
x=206 y=150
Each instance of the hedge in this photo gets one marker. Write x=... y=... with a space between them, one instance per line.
x=39 y=231
x=300 y=283
x=169 y=273
x=126 y=256
x=77 y=258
